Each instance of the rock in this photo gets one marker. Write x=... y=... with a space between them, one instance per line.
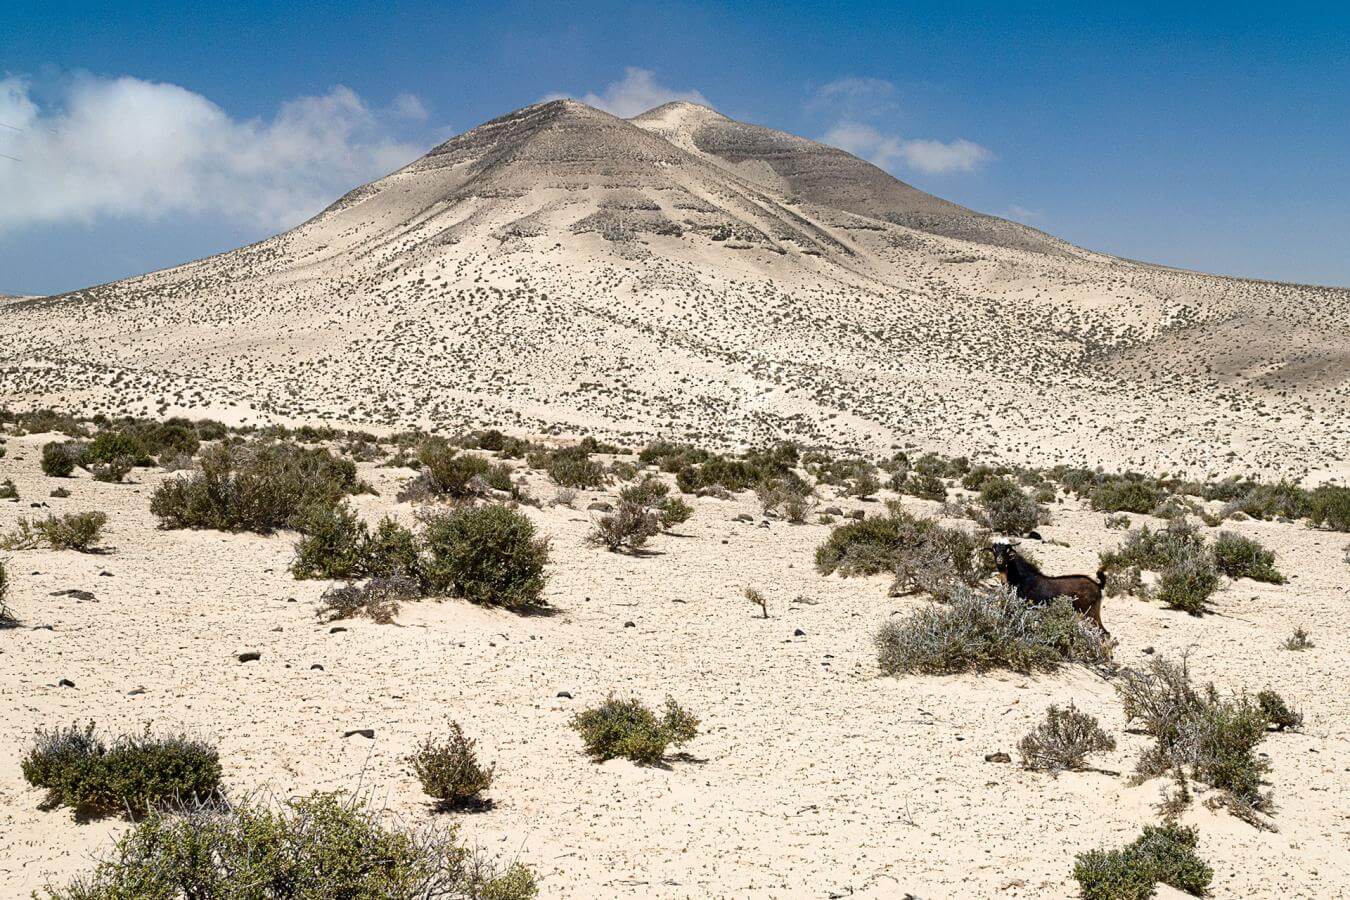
x=798 y=633
x=1147 y=651
x=600 y=506
x=74 y=592
x=629 y=625
x=66 y=682
x=999 y=757
x=105 y=574
x=316 y=668
x=363 y=732
x=745 y=517
x=832 y=511
x=336 y=629
x=136 y=692
x=250 y=656
x=1035 y=536
x=855 y=514
x=564 y=695
x=496 y=494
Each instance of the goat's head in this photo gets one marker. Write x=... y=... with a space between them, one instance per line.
x=1003 y=554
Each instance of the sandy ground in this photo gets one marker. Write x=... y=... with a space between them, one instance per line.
x=812 y=776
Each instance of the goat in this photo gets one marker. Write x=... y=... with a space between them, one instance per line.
x=1034 y=586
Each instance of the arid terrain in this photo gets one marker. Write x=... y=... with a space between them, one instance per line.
x=813 y=774
x=681 y=274
x=560 y=274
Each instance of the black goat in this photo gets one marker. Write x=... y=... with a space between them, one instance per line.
x=1034 y=586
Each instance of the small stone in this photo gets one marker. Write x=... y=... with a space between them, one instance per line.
x=74 y=592
x=136 y=692
x=316 y=668
x=250 y=656
x=564 y=695
x=1148 y=651
x=855 y=514
x=66 y=682
x=798 y=633
x=336 y=629
x=363 y=732
x=629 y=625
x=999 y=757
x=745 y=517
x=600 y=506
x=832 y=511
x=105 y=574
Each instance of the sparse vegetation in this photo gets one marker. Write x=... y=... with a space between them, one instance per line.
x=1278 y=712
x=320 y=845
x=1243 y=557
x=1005 y=508
x=378 y=599
x=988 y=629
x=59 y=459
x=1162 y=854
x=1188 y=570
x=131 y=772
x=629 y=728
x=1299 y=640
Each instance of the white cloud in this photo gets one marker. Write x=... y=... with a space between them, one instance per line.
x=888 y=150
x=1022 y=214
x=635 y=93
x=854 y=98
x=128 y=148
x=409 y=106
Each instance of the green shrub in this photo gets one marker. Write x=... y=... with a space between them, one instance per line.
x=1063 y=741
x=1242 y=557
x=1120 y=494
x=674 y=511
x=1277 y=711
x=132 y=772
x=445 y=472
x=59 y=458
x=8 y=490
x=628 y=728
x=788 y=496
x=1284 y=500
x=485 y=554
x=1198 y=734
x=573 y=467
x=922 y=554
x=257 y=487
x=925 y=486
x=449 y=769
x=653 y=495
x=318 y=846
x=392 y=551
x=332 y=543
x=71 y=531
x=1007 y=509
x=1188 y=572
x=117 y=446
x=988 y=629
x=1162 y=854
x=1329 y=507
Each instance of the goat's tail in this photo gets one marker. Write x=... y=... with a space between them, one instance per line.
x=1101 y=578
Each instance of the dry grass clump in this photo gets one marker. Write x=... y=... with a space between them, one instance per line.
x=985 y=629
x=629 y=728
x=7 y=618
x=132 y=772
x=644 y=509
x=378 y=599
x=256 y=487
x=1162 y=854
x=1199 y=735
x=317 y=846
x=1299 y=640
x=1064 y=741
x=449 y=769
x=788 y=496
x=71 y=531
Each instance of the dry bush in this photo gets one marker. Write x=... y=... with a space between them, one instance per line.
x=1063 y=741
x=72 y=531
x=449 y=770
x=988 y=629
x=378 y=599
x=788 y=496
x=629 y=527
x=1299 y=640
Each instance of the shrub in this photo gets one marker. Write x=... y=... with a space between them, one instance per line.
x=1007 y=509
x=445 y=472
x=8 y=490
x=378 y=599
x=1277 y=711
x=321 y=845
x=258 y=487
x=1188 y=571
x=111 y=472
x=1117 y=521
x=628 y=728
x=1121 y=494
x=1063 y=741
x=132 y=772
x=1299 y=640
x=925 y=486
x=1198 y=734
x=392 y=551
x=59 y=458
x=628 y=527
x=787 y=495
x=573 y=467
x=1164 y=853
x=117 y=446
x=72 y=531
x=1242 y=557
x=449 y=769
x=1329 y=507
x=1187 y=585
x=332 y=543
x=1283 y=500
x=674 y=511
x=7 y=619
x=485 y=554
x=988 y=629
x=922 y=554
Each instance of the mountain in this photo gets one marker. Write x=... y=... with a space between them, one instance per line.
x=559 y=269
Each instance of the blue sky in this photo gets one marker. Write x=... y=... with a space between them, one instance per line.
x=1209 y=137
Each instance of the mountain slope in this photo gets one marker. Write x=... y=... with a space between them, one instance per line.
x=683 y=274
